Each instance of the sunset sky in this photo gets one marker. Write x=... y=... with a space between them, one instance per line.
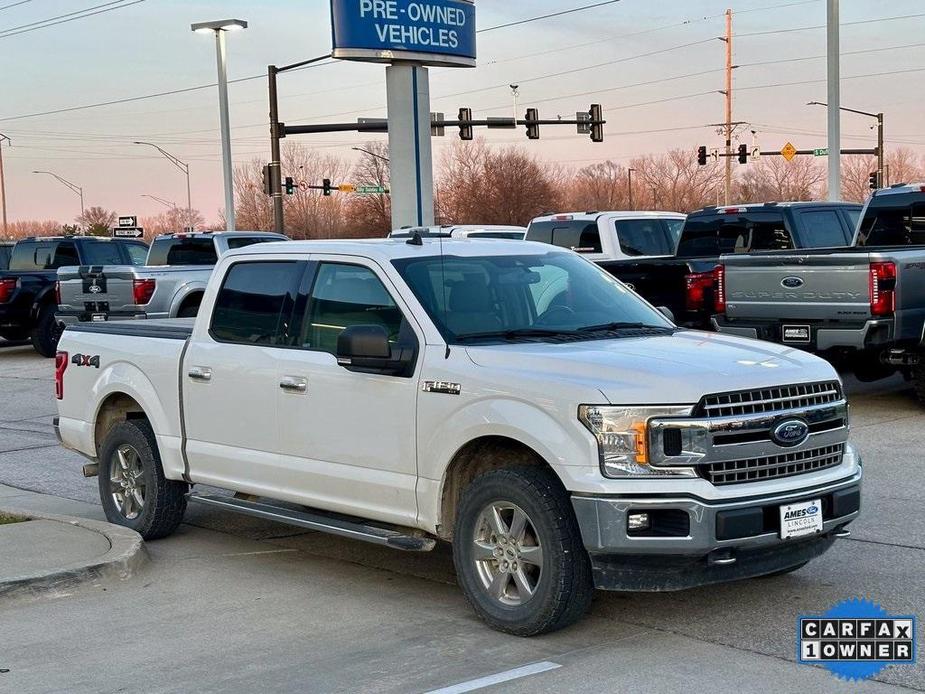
x=147 y=48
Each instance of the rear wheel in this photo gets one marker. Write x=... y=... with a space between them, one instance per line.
x=918 y=379
x=518 y=552
x=47 y=331
x=190 y=310
x=133 y=489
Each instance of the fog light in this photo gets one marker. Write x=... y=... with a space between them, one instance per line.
x=638 y=521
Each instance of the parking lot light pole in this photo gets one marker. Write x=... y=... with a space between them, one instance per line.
x=73 y=186
x=3 y=138
x=184 y=167
x=372 y=154
x=165 y=203
x=219 y=28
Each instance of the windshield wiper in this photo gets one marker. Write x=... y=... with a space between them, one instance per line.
x=517 y=333
x=620 y=326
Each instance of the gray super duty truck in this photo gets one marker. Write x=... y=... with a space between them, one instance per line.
x=862 y=306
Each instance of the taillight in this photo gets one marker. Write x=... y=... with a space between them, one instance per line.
x=58 y=293
x=60 y=366
x=696 y=285
x=719 y=289
x=143 y=290
x=882 y=289
x=7 y=287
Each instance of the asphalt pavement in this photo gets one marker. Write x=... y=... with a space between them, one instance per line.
x=234 y=604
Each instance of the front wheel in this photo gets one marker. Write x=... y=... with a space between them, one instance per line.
x=133 y=489
x=518 y=552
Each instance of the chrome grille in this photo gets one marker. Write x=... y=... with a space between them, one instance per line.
x=773 y=466
x=775 y=399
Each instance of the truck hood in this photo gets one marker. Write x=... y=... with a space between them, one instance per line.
x=669 y=369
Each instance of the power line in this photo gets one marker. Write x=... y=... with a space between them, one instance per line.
x=64 y=18
x=14 y=4
x=822 y=26
x=844 y=53
x=547 y=16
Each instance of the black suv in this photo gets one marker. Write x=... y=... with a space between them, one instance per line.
x=27 y=288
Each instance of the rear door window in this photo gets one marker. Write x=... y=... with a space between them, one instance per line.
x=577 y=235
x=172 y=251
x=644 y=237
x=137 y=253
x=715 y=235
x=822 y=229
x=254 y=305
x=894 y=220
x=5 y=252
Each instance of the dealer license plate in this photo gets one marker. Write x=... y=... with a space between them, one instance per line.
x=800 y=520
x=796 y=333
x=99 y=317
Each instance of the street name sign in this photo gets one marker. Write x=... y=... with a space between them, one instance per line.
x=427 y=32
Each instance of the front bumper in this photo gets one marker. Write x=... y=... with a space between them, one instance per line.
x=717 y=541
x=823 y=335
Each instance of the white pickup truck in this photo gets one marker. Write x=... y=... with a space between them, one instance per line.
x=509 y=397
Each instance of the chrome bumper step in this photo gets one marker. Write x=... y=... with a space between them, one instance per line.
x=333 y=524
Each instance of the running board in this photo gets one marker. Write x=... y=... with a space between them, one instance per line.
x=322 y=522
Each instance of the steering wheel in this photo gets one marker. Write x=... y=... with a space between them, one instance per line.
x=543 y=319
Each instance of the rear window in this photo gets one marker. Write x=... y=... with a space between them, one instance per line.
x=580 y=236
x=105 y=253
x=516 y=235
x=245 y=241
x=253 y=301
x=823 y=229
x=183 y=252
x=640 y=237
x=894 y=220
x=715 y=235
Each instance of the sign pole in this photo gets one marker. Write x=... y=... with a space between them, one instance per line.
x=410 y=157
x=834 y=101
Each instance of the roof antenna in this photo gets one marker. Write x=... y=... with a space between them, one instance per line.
x=415 y=239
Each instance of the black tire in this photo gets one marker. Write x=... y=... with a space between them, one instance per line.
x=14 y=337
x=164 y=501
x=47 y=331
x=784 y=572
x=189 y=311
x=563 y=587
x=918 y=379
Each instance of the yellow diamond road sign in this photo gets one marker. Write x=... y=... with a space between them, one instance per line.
x=789 y=152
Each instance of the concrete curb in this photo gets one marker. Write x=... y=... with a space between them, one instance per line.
x=127 y=554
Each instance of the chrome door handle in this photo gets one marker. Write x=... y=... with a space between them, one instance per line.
x=294 y=384
x=200 y=373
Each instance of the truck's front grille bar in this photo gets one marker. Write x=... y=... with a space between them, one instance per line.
x=775 y=399
x=773 y=466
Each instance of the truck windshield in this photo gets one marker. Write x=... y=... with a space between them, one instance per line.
x=715 y=235
x=533 y=297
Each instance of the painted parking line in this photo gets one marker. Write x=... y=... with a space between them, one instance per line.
x=498 y=678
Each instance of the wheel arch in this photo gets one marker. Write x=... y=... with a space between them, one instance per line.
x=186 y=295
x=116 y=407
x=480 y=455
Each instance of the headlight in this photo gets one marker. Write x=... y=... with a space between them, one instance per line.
x=623 y=439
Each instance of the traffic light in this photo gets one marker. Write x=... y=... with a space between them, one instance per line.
x=326 y=187
x=465 y=129
x=743 y=154
x=597 y=123
x=874 y=180
x=290 y=185
x=533 y=128
x=267 y=180
x=702 y=156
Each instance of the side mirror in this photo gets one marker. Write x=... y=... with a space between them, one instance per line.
x=366 y=348
x=667 y=312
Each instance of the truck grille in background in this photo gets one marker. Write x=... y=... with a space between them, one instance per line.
x=774 y=399
x=773 y=466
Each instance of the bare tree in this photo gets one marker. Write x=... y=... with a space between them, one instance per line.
x=603 y=186
x=97 y=220
x=674 y=181
x=372 y=213
x=775 y=179
x=26 y=228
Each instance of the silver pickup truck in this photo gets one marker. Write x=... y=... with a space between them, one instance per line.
x=862 y=306
x=169 y=285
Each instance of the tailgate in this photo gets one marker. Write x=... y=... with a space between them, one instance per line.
x=97 y=291
x=812 y=288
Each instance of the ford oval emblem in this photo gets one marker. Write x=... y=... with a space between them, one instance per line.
x=95 y=289
x=790 y=432
x=792 y=282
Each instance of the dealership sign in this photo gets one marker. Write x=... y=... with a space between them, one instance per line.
x=428 y=32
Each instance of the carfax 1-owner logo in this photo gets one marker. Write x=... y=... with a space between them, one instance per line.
x=856 y=639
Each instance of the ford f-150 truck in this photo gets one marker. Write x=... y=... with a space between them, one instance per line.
x=27 y=288
x=863 y=307
x=670 y=260
x=506 y=396
x=170 y=284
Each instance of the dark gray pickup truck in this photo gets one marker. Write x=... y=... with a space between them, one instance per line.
x=862 y=306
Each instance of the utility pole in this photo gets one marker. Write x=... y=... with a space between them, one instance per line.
x=3 y=138
x=833 y=44
x=728 y=93
x=276 y=166
x=629 y=185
